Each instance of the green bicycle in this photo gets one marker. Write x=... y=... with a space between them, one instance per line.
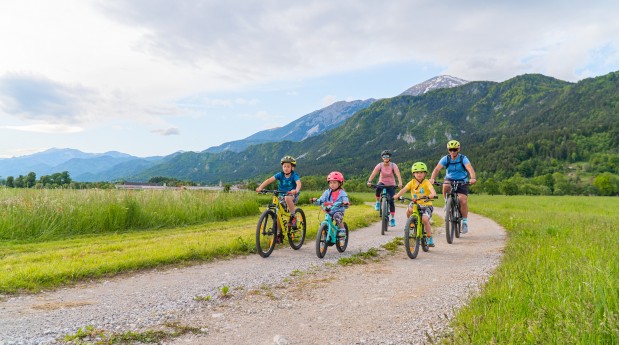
x=275 y=218
x=414 y=230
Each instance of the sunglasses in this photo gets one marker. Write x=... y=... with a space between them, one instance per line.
x=453 y=150
x=385 y=156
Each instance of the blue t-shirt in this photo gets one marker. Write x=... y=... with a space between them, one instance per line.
x=456 y=171
x=286 y=183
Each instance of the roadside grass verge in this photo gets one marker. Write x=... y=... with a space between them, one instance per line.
x=31 y=267
x=51 y=214
x=558 y=280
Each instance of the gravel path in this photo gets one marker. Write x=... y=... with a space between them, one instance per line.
x=292 y=297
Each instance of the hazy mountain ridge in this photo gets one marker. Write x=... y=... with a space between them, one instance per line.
x=306 y=126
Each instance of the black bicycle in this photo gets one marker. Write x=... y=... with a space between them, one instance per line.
x=452 y=208
x=384 y=207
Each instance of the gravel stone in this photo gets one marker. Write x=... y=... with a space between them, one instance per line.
x=392 y=300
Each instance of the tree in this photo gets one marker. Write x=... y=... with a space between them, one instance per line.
x=606 y=184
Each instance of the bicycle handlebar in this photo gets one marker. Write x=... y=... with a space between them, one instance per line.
x=458 y=183
x=372 y=185
x=274 y=191
x=424 y=198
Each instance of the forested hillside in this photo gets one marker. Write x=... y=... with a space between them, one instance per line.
x=549 y=134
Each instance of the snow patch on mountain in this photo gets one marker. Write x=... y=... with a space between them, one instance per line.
x=439 y=82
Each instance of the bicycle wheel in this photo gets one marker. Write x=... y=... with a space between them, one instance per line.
x=321 y=240
x=457 y=220
x=296 y=237
x=266 y=232
x=424 y=241
x=448 y=221
x=342 y=243
x=412 y=244
x=385 y=218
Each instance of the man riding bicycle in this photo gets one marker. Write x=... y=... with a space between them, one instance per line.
x=457 y=167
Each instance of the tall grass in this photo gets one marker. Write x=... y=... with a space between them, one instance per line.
x=29 y=214
x=558 y=280
x=37 y=264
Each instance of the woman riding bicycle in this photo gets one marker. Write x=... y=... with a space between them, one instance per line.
x=457 y=167
x=386 y=170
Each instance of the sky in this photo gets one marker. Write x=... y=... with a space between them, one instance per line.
x=153 y=77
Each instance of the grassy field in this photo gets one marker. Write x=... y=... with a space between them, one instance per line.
x=30 y=263
x=558 y=280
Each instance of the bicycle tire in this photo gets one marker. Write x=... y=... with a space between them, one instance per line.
x=321 y=240
x=448 y=221
x=385 y=218
x=424 y=241
x=266 y=232
x=341 y=244
x=412 y=244
x=296 y=237
x=457 y=220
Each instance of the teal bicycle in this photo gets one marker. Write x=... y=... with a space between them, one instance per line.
x=414 y=230
x=384 y=207
x=327 y=234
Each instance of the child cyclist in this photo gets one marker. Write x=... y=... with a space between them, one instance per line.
x=334 y=194
x=288 y=181
x=420 y=187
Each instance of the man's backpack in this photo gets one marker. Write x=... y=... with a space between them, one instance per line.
x=457 y=162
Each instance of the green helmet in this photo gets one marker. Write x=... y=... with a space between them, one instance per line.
x=453 y=144
x=418 y=166
x=288 y=159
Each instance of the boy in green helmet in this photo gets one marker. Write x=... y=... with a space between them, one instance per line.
x=421 y=187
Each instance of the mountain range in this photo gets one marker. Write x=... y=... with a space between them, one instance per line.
x=108 y=166
x=530 y=124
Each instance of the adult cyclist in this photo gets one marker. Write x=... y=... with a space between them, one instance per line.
x=386 y=171
x=457 y=167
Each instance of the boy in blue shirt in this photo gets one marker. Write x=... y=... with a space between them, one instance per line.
x=288 y=181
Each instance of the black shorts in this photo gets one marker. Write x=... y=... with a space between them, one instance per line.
x=462 y=188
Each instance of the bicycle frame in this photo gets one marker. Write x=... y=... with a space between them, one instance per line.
x=327 y=234
x=415 y=223
x=383 y=209
x=279 y=216
x=452 y=207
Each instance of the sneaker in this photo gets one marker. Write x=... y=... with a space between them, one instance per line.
x=377 y=206
x=392 y=222
x=464 y=228
x=294 y=222
x=279 y=238
x=429 y=241
x=342 y=232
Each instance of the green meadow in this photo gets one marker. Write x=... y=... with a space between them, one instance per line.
x=557 y=282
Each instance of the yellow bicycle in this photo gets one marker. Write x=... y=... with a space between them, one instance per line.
x=275 y=218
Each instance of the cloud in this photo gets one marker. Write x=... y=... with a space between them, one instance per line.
x=46 y=128
x=166 y=132
x=38 y=98
x=249 y=41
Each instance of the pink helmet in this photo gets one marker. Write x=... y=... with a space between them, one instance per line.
x=335 y=176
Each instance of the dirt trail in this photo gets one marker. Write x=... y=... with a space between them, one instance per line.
x=291 y=297
x=392 y=301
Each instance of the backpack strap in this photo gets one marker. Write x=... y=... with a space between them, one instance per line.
x=448 y=162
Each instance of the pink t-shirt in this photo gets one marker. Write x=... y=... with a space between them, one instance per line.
x=386 y=176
